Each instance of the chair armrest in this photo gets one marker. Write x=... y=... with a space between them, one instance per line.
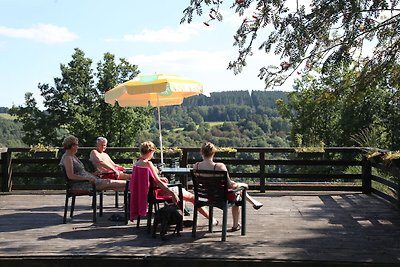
x=240 y=188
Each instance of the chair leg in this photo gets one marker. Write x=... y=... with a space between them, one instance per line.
x=116 y=199
x=94 y=206
x=72 y=207
x=194 y=226
x=210 y=219
x=101 y=203
x=244 y=214
x=224 y=222
x=138 y=221
x=126 y=206
x=65 y=209
x=150 y=215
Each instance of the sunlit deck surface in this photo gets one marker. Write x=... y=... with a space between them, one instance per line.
x=292 y=229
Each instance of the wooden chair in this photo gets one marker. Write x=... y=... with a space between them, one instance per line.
x=141 y=178
x=73 y=193
x=211 y=189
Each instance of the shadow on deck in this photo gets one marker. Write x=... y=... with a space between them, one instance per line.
x=292 y=229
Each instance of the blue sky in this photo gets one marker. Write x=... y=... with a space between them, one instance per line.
x=36 y=36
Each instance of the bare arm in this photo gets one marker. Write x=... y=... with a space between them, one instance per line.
x=104 y=161
x=162 y=184
x=232 y=184
x=97 y=160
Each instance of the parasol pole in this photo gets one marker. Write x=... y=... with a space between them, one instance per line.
x=159 y=130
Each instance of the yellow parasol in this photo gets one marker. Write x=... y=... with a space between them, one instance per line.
x=156 y=90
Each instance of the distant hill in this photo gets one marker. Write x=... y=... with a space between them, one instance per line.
x=253 y=99
x=3 y=110
x=232 y=118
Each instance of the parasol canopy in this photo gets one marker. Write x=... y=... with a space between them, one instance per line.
x=156 y=90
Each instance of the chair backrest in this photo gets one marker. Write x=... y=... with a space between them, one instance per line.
x=210 y=187
x=139 y=186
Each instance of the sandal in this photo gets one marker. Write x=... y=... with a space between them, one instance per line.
x=237 y=228
x=258 y=206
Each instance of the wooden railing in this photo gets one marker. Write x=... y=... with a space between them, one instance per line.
x=340 y=168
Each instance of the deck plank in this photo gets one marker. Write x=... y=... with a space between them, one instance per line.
x=292 y=226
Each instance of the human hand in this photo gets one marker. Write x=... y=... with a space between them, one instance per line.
x=164 y=179
x=242 y=185
x=175 y=198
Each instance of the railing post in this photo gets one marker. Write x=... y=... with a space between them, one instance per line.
x=366 y=175
x=184 y=161
x=6 y=170
x=262 y=172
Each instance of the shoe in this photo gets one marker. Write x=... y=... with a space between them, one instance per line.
x=237 y=228
x=258 y=206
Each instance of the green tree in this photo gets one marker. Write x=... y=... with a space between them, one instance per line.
x=75 y=105
x=330 y=109
x=332 y=32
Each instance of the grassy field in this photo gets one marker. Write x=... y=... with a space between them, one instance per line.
x=215 y=123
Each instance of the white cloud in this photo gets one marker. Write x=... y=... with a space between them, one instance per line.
x=209 y=67
x=43 y=33
x=181 y=34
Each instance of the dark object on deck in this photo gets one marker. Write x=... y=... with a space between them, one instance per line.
x=167 y=216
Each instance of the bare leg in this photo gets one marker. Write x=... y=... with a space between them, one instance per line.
x=190 y=197
x=107 y=184
x=256 y=204
x=235 y=216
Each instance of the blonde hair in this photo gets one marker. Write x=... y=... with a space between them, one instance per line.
x=208 y=149
x=146 y=147
x=69 y=141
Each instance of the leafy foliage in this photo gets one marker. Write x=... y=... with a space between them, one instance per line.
x=75 y=105
x=335 y=112
x=328 y=32
x=10 y=133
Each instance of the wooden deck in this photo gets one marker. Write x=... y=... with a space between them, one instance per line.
x=292 y=229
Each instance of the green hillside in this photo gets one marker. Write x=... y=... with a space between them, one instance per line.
x=236 y=118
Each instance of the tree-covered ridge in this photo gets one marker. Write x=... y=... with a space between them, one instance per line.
x=232 y=118
x=10 y=132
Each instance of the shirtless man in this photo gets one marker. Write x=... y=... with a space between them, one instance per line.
x=103 y=163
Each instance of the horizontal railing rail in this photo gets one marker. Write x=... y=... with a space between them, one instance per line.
x=263 y=168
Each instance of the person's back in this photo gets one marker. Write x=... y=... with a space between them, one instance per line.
x=208 y=151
